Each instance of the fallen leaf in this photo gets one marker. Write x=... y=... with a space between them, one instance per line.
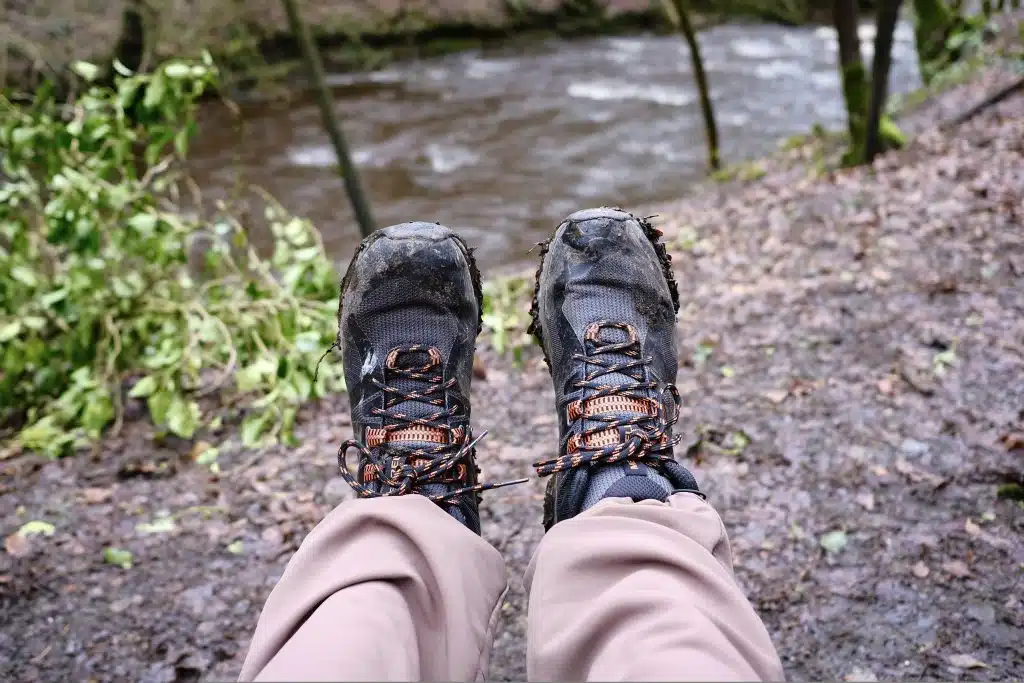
x=1014 y=441
x=801 y=387
x=17 y=545
x=479 y=369
x=118 y=557
x=727 y=371
x=36 y=526
x=918 y=475
x=879 y=471
x=833 y=541
x=236 y=547
x=920 y=570
x=198 y=449
x=94 y=496
x=160 y=525
x=957 y=568
x=776 y=395
x=866 y=500
x=967 y=662
x=975 y=531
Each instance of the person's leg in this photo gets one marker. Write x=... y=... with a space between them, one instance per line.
x=396 y=585
x=633 y=580
x=384 y=589
x=642 y=591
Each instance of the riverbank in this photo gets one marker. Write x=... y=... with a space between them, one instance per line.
x=851 y=346
x=254 y=46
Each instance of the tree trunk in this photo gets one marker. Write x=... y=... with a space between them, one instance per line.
x=346 y=167
x=933 y=22
x=131 y=44
x=685 y=26
x=885 y=27
x=854 y=76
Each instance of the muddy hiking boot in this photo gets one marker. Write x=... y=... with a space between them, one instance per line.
x=408 y=318
x=604 y=312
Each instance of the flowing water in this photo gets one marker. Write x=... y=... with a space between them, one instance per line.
x=502 y=144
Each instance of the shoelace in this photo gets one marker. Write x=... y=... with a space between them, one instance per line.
x=646 y=442
x=417 y=465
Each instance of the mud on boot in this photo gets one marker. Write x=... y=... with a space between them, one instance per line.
x=604 y=311
x=408 y=318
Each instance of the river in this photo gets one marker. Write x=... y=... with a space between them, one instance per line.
x=501 y=144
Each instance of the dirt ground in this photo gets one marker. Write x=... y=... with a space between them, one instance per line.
x=855 y=364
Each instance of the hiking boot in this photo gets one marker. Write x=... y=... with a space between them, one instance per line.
x=408 y=318
x=604 y=311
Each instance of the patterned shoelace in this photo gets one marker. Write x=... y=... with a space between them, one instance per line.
x=441 y=463
x=647 y=439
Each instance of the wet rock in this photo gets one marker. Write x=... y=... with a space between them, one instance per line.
x=983 y=613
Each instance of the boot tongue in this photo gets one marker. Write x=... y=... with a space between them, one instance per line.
x=608 y=336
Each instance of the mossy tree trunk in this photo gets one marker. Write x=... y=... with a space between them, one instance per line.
x=934 y=21
x=348 y=170
x=854 y=75
x=680 y=15
x=885 y=28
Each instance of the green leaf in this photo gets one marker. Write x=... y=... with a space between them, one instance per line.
x=253 y=427
x=181 y=142
x=155 y=91
x=118 y=557
x=86 y=70
x=183 y=417
x=36 y=527
x=51 y=298
x=303 y=385
x=177 y=70
x=160 y=525
x=34 y=322
x=40 y=435
x=833 y=541
x=144 y=387
x=24 y=275
x=126 y=91
x=22 y=135
x=10 y=330
x=121 y=68
x=208 y=456
x=159 y=404
x=98 y=413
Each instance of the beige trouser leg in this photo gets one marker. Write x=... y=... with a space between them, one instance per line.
x=382 y=589
x=642 y=591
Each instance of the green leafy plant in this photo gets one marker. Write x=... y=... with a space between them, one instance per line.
x=97 y=290
x=506 y=314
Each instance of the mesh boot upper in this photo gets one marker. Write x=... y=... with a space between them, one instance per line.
x=408 y=320
x=604 y=311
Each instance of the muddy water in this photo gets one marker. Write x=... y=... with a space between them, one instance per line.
x=502 y=144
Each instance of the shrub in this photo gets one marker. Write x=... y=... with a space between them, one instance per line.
x=96 y=292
